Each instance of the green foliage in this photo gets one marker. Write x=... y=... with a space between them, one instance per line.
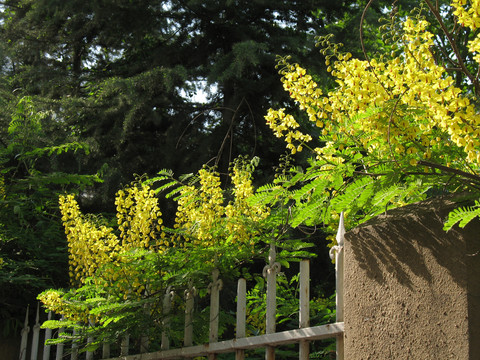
x=462 y=216
x=32 y=245
x=109 y=304
x=311 y=198
x=382 y=145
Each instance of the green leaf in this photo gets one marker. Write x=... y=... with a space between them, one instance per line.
x=462 y=216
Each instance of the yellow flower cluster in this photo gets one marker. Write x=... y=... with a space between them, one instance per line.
x=407 y=106
x=240 y=214
x=200 y=210
x=468 y=15
x=285 y=125
x=139 y=218
x=54 y=301
x=204 y=219
x=92 y=245
x=89 y=245
x=467 y=12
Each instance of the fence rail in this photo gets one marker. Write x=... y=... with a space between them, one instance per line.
x=303 y=335
x=249 y=343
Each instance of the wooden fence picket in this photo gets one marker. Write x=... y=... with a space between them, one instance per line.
x=241 y=315
x=36 y=335
x=304 y=307
x=74 y=355
x=105 y=350
x=59 y=353
x=125 y=345
x=189 y=301
x=23 y=343
x=338 y=253
x=48 y=335
x=167 y=303
x=270 y=272
x=214 y=289
x=89 y=354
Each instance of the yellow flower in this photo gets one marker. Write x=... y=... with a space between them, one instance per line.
x=372 y=99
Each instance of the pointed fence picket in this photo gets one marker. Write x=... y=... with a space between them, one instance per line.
x=23 y=343
x=272 y=339
x=48 y=335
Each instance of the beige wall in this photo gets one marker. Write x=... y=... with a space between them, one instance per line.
x=412 y=290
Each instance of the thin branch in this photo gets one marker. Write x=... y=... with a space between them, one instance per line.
x=254 y=128
x=390 y=123
x=229 y=134
x=362 y=42
x=473 y=177
x=196 y=117
x=454 y=46
x=453 y=69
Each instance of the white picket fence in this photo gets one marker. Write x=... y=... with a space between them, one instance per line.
x=272 y=339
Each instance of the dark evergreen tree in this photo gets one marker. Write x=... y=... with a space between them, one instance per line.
x=119 y=73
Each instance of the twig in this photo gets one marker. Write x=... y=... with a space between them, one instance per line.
x=453 y=44
x=473 y=177
x=363 y=46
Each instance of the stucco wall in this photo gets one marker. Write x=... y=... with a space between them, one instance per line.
x=411 y=289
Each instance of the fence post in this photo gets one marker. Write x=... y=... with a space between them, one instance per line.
x=125 y=345
x=36 y=335
x=270 y=272
x=105 y=350
x=89 y=354
x=74 y=355
x=167 y=303
x=189 y=298
x=337 y=251
x=145 y=339
x=59 y=353
x=304 y=310
x=144 y=344
x=214 y=289
x=241 y=315
x=25 y=331
x=48 y=335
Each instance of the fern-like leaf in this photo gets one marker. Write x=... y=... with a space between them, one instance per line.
x=166 y=186
x=462 y=216
x=316 y=186
x=360 y=189
x=385 y=196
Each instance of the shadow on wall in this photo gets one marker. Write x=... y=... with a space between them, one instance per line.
x=396 y=244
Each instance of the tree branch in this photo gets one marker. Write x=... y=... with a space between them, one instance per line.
x=447 y=169
x=454 y=46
